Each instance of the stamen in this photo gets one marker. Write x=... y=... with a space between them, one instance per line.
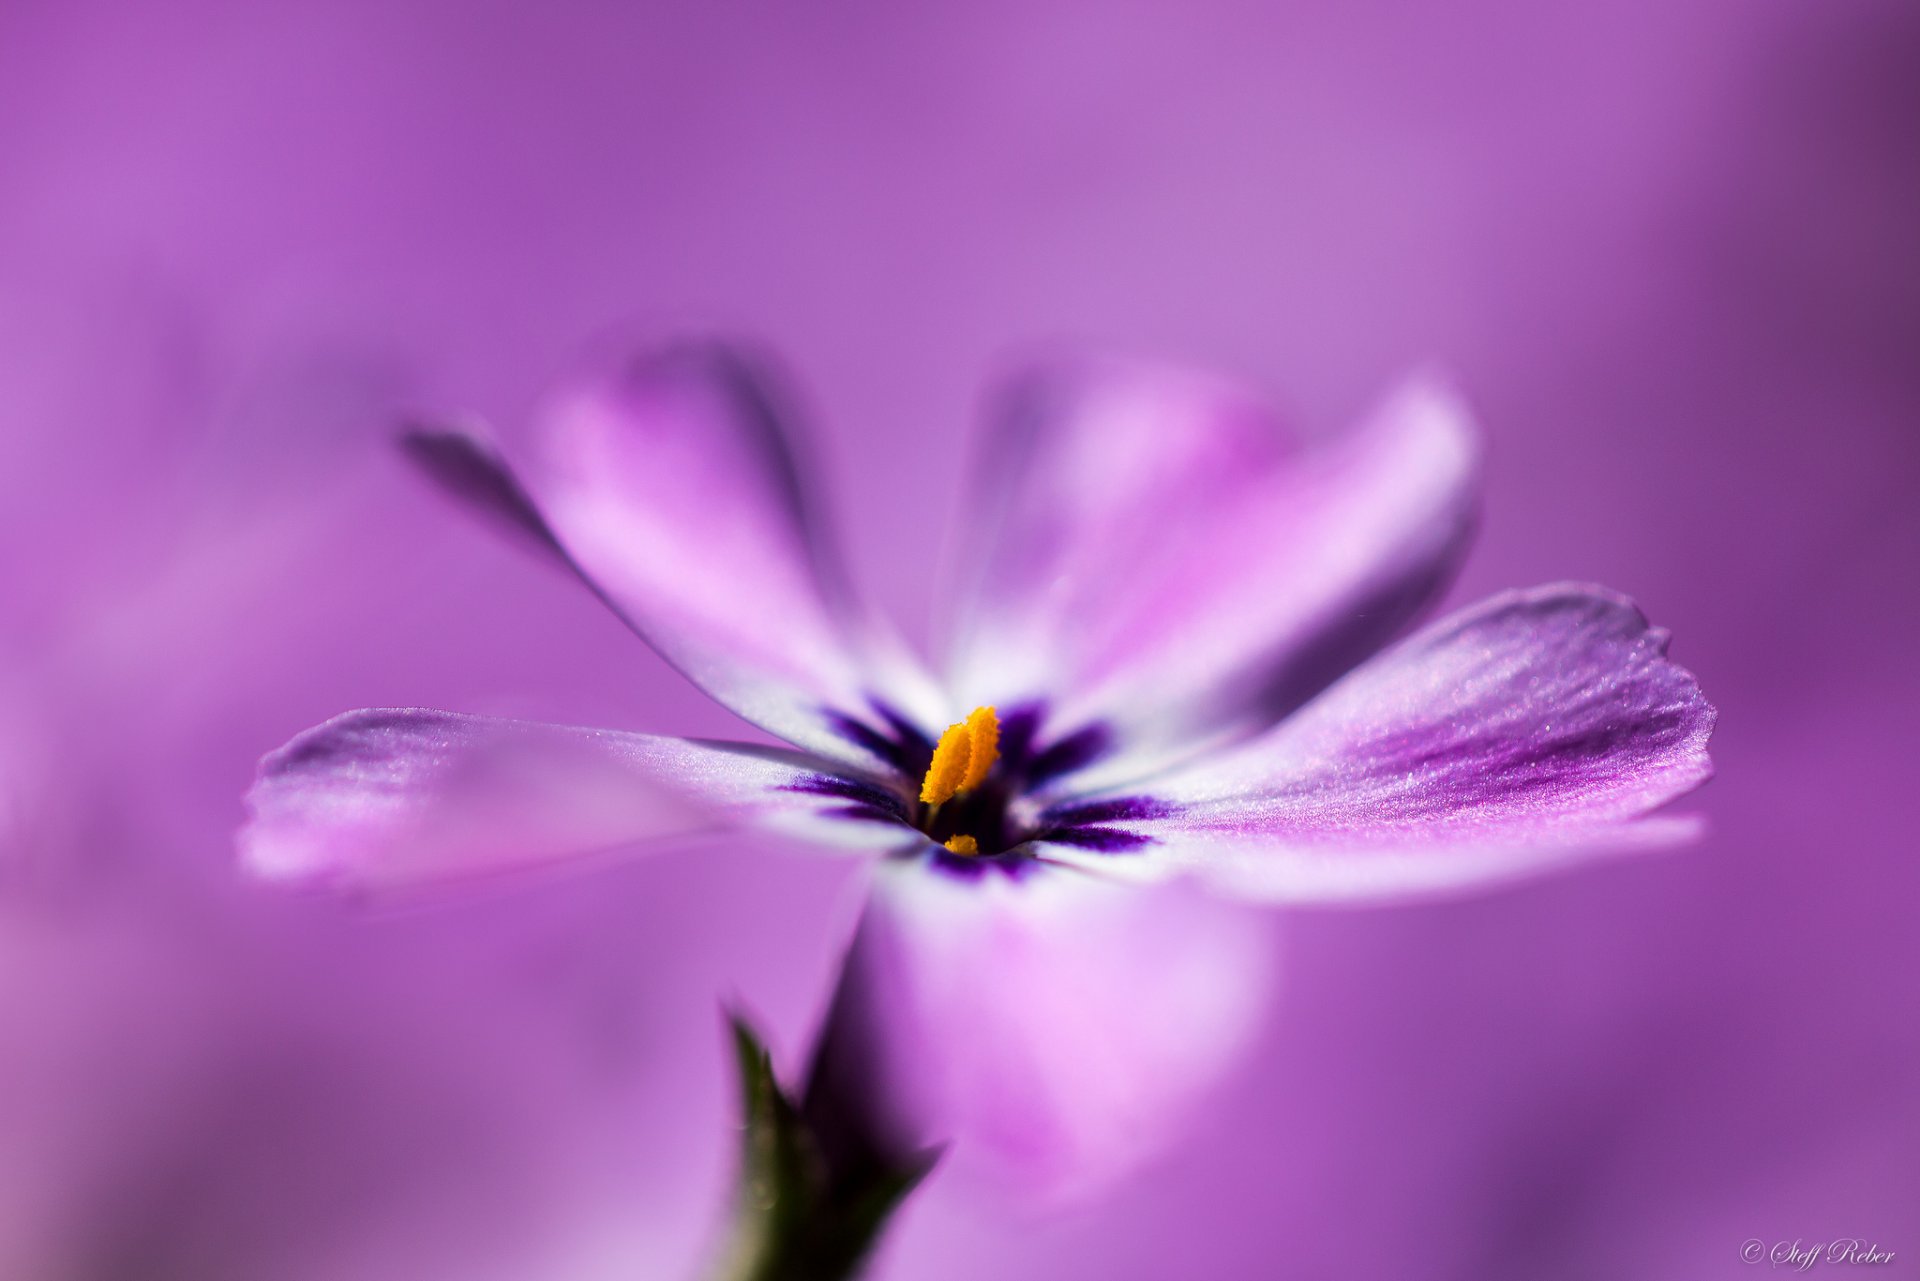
x=949 y=766
x=962 y=758
x=962 y=845
x=983 y=728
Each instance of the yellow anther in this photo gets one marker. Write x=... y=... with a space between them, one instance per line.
x=962 y=845
x=962 y=758
x=983 y=732
x=949 y=766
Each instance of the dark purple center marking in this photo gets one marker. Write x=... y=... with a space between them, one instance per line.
x=996 y=814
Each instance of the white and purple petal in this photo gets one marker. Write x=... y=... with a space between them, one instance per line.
x=390 y=798
x=1150 y=553
x=669 y=484
x=1054 y=1027
x=1530 y=730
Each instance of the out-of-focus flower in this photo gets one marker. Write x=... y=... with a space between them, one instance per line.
x=1164 y=663
x=199 y=1080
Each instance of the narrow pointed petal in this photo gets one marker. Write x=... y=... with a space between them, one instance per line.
x=1528 y=731
x=466 y=463
x=1151 y=548
x=670 y=485
x=388 y=798
x=1054 y=1027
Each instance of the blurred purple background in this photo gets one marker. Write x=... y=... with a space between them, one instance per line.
x=1668 y=250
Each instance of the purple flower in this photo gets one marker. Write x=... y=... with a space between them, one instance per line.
x=1166 y=666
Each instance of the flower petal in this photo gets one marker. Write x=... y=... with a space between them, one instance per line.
x=465 y=462
x=670 y=485
x=1148 y=547
x=1054 y=1026
x=386 y=798
x=1534 y=728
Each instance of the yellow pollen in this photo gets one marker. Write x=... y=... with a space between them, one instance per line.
x=963 y=845
x=983 y=733
x=962 y=758
x=948 y=768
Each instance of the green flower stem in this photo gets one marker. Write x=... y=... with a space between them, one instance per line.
x=807 y=1208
